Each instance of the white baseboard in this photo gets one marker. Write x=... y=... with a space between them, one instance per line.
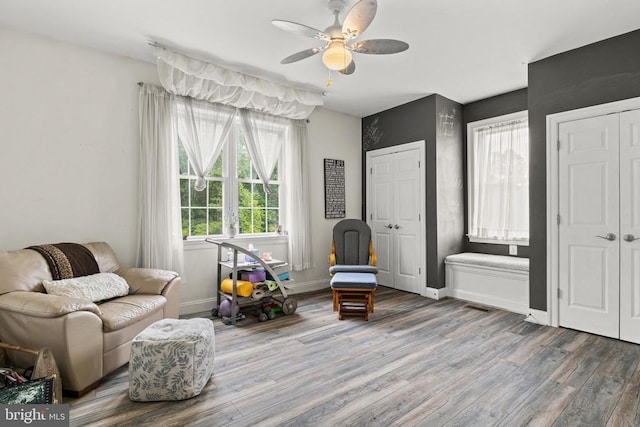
x=436 y=293
x=302 y=287
x=206 y=304
x=537 y=316
x=197 y=306
x=504 y=304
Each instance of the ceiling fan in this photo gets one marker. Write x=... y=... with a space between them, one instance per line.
x=338 y=38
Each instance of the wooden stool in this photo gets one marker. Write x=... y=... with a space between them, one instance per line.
x=353 y=294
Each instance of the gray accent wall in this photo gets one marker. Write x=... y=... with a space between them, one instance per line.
x=438 y=121
x=595 y=74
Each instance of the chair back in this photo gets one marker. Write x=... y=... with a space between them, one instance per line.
x=351 y=239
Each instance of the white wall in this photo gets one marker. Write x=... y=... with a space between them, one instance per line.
x=331 y=136
x=69 y=144
x=69 y=159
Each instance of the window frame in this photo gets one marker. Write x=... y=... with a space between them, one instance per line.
x=472 y=127
x=230 y=183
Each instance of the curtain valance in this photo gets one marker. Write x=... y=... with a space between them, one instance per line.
x=185 y=76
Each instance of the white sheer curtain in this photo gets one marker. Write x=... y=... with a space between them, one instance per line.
x=160 y=245
x=500 y=182
x=296 y=190
x=263 y=134
x=203 y=128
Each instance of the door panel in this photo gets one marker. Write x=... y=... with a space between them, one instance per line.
x=589 y=278
x=407 y=224
x=382 y=216
x=588 y=207
x=630 y=225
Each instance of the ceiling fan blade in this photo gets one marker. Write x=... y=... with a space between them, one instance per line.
x=350 y=69
x=379 y=46
x=300 y=29
x=301 y=55
x=359 y=18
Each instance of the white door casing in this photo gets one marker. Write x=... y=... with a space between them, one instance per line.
x=588 y=207
x=628 y=114
x=395 y=213
x=630 y=226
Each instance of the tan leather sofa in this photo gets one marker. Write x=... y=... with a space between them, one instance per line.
x=88 y=340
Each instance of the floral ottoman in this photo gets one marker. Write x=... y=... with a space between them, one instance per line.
x=171 y=360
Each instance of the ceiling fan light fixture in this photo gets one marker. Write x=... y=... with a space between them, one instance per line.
x=337 y=57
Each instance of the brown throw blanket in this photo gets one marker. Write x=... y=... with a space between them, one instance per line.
x=67 y=260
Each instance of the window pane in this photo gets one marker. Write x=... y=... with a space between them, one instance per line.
x=274 y=174
x=273 y=219
x=215 y=221
x=273 y=198
x=259 y=196
x=198 y=198
x=198 y=222
x=244 y=161
x=259 y=220
x=184 y=161
x=185 y=222
x=245 y=223
x=244 y=195
x=184 y=192
x=215 y=194
x=217 y=168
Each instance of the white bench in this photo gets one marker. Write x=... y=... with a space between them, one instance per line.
x=494 y=280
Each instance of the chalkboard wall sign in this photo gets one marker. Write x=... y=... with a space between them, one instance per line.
x=334 y=203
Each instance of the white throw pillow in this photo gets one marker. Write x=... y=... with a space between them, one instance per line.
x=96 y=287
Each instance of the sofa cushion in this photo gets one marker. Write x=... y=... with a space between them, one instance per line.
x=39 y=304
x=124 y=311
x=22 y=270
x=96 y=287
x=104 y=255
x=146 y=280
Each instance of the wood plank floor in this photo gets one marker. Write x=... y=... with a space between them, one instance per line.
x=415 y=362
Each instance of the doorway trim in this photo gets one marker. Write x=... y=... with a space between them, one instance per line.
x=421 y=146
x=553 y=124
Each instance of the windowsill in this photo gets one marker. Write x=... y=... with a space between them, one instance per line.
x=498 y=242
x=196 y=243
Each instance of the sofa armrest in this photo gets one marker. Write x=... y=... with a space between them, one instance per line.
x=147 y=280
x=38 y=304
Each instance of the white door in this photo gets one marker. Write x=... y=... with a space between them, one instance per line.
x=630 y=226
x=589 y=281
x=395 y=208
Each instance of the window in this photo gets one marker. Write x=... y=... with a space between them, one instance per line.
x=498 y=179
x=233 y=189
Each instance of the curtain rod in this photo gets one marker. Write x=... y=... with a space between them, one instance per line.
x=502 y=124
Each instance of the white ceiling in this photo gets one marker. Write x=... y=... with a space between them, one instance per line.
x=462 y=49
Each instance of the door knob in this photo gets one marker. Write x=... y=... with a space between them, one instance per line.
x=630 y=238
x=610 y=236
x=389 y=226
x=396 y=226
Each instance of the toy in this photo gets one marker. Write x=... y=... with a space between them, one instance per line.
x=225 y=308
x=243 y=287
